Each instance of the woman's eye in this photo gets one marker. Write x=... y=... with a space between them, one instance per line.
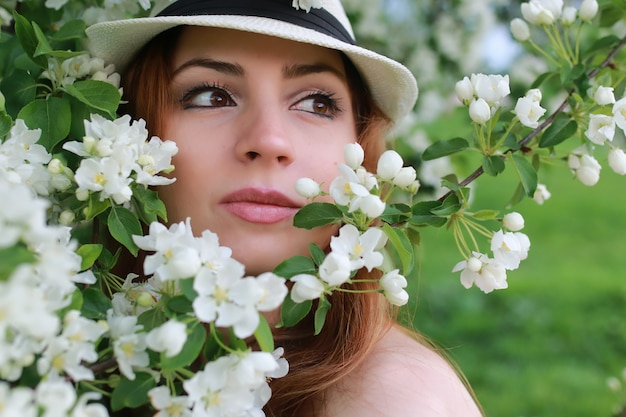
x=319 y=104
x=207 y=97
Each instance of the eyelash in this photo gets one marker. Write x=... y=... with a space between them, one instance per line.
x=333 y=103
x=189 y=95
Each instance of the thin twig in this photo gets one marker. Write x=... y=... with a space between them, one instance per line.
x=480 y=171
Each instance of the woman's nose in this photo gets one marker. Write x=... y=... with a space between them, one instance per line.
x=263 y=136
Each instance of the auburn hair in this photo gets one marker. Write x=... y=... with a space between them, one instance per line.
x=356 y=321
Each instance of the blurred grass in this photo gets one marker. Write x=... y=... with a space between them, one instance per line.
x=545 y=346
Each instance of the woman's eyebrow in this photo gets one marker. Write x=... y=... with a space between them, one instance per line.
x=300 y=70
x=219 y=66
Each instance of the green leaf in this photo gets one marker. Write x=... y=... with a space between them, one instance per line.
x=28 y=39
x=486 y=214
x=132 y=394
x=123 y=225
x=493 y=165
x=186 y=286
x=561 y=129
x=148 y=204
x=191 y=349
x=180 y=304
x=43 y=46
x=396 y=213
x=263 y=335
x=98 y=95
x=19 y=88
x=291 y=313
x=320 y=314
x=403 y=247
x=12 y=257
x=317 y=254
x=152 y=318
x=89 y=253
x=449 y=206
x=527 y=174
x=51 y=115
x=294 y=266
x=444 y=148
x=95 y=304
x=6 y=122
x=540 y=79
x=73 y=29
x=317 y=214
x=95 y=206
x=422 y=215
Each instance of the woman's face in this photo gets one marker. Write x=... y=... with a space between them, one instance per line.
x=252 y=114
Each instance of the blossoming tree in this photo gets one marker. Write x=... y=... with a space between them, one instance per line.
x=77 y=339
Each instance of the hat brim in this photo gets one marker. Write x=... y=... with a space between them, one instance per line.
x=392 y=85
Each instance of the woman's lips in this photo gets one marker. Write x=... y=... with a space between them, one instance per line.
x=256 y=205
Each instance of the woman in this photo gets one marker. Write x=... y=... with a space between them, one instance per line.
x=256 y=94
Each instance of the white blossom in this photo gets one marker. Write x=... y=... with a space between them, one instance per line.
x=585 y=167
x=619 y=113
x=406 y=177
x=56 y=397
x=393 y=285
x=335 y=269
x=510 y=248
x=541 y=194
x=306 y=4
x=491 y=88
x=464 y=90
x=520 y=30
x=568 y=16
x=306 y=287
x=353 y=155
x=168 y=406
x=18 y=401
x=604 y=95
x=601 y=129
x=170 y=337
x=617 y=161
x=389 y=165
x=513 y=221
x=129 y=346
x=529 y=111
x=479 y=111
x=363 y=250
x=306 y=187
x=588 y=10
x=486 y=273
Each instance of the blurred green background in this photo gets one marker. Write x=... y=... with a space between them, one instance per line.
x=546 y=346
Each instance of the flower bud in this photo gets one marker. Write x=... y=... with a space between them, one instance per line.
x=89 y=144
x=389 y=165
x=604 y=96
x=82 y=194
x=520 y=30
x=479 y=111
x=569 y=16
x=308 y=188
x=2 y=101
x=66 y=217
x=464 y=90
x=617 y=161
x=306 y=287
x=541 y=194
x=513 y=221
x=474 y=264
x=588 y=10
x=55 y=166
x=353 y=154
x=372 y=206
x=405 y=177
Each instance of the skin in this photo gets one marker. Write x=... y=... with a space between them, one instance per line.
x=252 y=115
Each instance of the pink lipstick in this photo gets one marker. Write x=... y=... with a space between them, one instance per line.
x=258 y=205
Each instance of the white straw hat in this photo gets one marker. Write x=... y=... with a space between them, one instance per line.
x=392 y=85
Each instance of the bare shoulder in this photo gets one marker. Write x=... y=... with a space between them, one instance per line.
x=401 y=377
